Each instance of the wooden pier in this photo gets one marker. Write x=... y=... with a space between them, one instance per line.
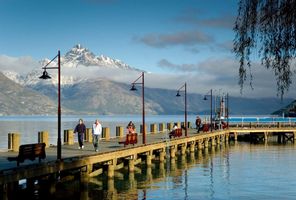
x=113 y=156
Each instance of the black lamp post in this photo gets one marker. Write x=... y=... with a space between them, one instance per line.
x=185 y=112
x=46 y=76
x=205 y=98
x=133 y=88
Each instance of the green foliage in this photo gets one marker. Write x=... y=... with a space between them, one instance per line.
x=266 y=28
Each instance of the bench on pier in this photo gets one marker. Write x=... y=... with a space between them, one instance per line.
x=131 y=138
x=176 y=133
x=30 y=152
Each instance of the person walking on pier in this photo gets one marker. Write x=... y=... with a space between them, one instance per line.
x=96 y=131
x=198 y=123
x=80 y=129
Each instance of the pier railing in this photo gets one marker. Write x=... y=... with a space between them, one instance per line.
x=14 y=139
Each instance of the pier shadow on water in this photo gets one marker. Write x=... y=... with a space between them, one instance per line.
x=158 y=181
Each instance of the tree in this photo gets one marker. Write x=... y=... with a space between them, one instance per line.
x=266 y=28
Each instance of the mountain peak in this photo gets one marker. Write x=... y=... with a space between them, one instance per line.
x=80 y=55
x=78 y=46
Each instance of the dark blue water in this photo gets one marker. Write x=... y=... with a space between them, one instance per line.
x=235 y=171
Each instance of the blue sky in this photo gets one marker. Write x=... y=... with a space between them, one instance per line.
x=138 y=32
x=192 y=38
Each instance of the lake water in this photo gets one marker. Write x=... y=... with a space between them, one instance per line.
x=235 y=171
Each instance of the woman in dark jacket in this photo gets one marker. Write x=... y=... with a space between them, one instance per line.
x=81 y=130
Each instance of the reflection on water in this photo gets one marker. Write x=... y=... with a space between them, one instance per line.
x=235 y=171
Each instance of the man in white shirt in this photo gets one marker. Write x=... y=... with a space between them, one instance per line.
x=96 y=132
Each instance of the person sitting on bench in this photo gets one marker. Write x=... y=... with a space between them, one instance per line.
x=130 y=127
x=173 y=131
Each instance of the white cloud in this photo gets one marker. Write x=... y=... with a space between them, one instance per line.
x=216 y=74
x=20 y=65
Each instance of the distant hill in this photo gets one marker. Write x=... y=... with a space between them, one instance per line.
x=288 y=110
x=18 y=100
x=103 y=96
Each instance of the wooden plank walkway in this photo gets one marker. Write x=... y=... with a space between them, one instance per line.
x=73 y=151
x=111 y=151
x=69 y=151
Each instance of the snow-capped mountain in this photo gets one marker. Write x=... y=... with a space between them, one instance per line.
x=14 y=76
x=80 y=56
x=77 y=62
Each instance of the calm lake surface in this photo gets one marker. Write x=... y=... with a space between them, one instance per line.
x=234 y=171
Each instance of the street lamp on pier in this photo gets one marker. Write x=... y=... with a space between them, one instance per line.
x=46 y=76
x=185 y=111
x=133 y=88
x=205 y=98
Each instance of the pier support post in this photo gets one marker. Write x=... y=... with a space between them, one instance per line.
x=173 y=164
x=218 y=139
x=149 y=174
x=111 y=189
x=106 y=133
x=132 y=182
x=213 y=141
x=68 y=137
x=161 y=127
x=179 y=124
x=189 y=125
x=199 y=155
x=149 y=158
x=173 y=151
x=141 y=129
x=13 y=142
x=294 y=137
x=161 y=155
x=183 y=148
x=131 y=165
x=192 y=157
x=226 y=137
x=161 y=170
x=110 y=173
x=88 y=135
x=235 y=136
x=170 y=126
x=43 y=138
x=206 y=142
x=222 y=138
x=192 y=146
x=153 y=128
x=265 y=136
x=119 y=131
x=111 y=167
x=199 y=144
